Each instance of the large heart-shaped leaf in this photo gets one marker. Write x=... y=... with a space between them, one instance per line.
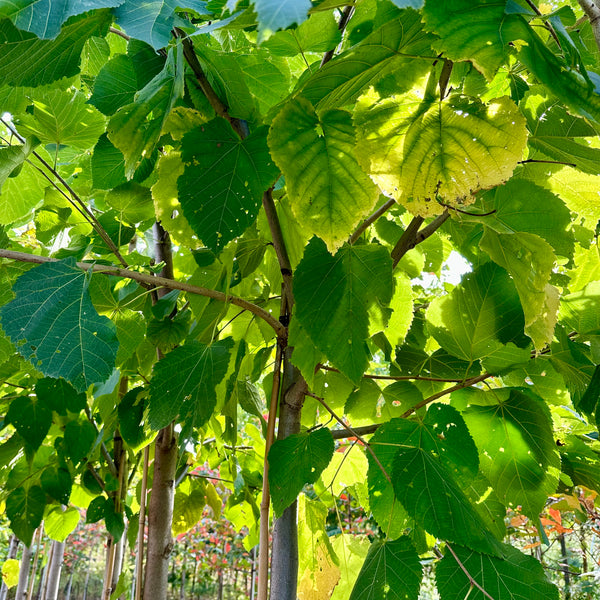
x=223 y=181
x=421 y=151
x=54 y=324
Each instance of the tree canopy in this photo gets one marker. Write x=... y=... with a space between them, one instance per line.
x=214 y=215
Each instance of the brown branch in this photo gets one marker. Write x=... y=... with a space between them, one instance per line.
x=466 y=212
x=469 y=576
x=548 y=162
x=220 y=108
x=346 y=16
x=263 y=552
x=339 y=434
x=171 y=284
x=370 y=220
x=413 y=236
x=119 y=32
x=354 y=433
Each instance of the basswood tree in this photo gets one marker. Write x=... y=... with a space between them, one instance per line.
x=206 y=206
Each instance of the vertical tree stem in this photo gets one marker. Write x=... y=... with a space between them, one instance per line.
x=139 y=557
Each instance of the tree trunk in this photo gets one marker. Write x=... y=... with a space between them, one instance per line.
x=69 y=587
x=13 y=546
x=38 y=548
x=54 y=570
x=87 y=576
x=21 y=593
x=160 y=515
x=284 y=561
x=565 y=566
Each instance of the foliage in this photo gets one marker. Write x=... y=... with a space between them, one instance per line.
x=332 y=176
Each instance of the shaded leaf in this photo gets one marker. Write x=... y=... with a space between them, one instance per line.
x=295 y=461
x=54 y=324
x=31 y=418
x=25 y=509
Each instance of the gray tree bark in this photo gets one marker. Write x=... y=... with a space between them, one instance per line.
x=54 y=570
x=21 y=593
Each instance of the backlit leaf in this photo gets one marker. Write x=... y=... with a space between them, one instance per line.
x=314 y=151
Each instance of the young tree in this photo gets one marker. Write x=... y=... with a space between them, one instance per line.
x=217 y=211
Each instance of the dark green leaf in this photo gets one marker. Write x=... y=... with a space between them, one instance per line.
x=333 y=295
x=56 y=482
x=391 y=571
x=27 y=60
x=25 y=509
x=115 y=86
x=184 y=381
x=274 y=15
x=60 y=395
x=222 y=205
x=516 y=576
x=54 y=324
x=79 y=438
x=31 y=418
x=295 y=461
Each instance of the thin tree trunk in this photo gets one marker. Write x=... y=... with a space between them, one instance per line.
x=139 y=557
x=54 y=570
x=109 y=566
x=69 y=586
x=160 y=515
x=38 y=546
x=21 y=593
x=252 y=573
x=13 y=546
x=87 y=576
x=284 y=562
x=565 y=566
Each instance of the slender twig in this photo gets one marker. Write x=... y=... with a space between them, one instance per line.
x=465 y=212
x=139 y=557
x=263 y=550
x=547 y=25
x=370 y=220
x=104 y=451
x=89 y=215
x=445 y=77
x=346 y=16
x=548 y=162
x=396 y=377
x=95 y=475
x=353 y=431
x=119 y=32
x=171 y=284
x=592 y=10
x=469 y=576
x=339 y=434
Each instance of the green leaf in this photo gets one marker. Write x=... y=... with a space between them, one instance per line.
x=418 y=150
x=558 y=134
x=31 y=418
x=184 y=381
x=60 y=395
x=391 y=571
x=523 y=206
x=274 y=15
x=79 y=438
x=153 y=21
x=63 y=119
x=59 y=523
x=115 y=523
x=115 y=86
x=296 y=461
x=333 y=295
x=516 y=576
x=57 y=483
x=10 y=572
x=107 y=164
x=20 y=194
x=483 y=42
x=393 y=48
x=314 y=152
x=45 y=19
x=25 y=60
x=25 y=509
x=132 y=202
x=478 y=316
x=223 y=205
x=131 y=417
x=11 y=158
x=518 y=454
x=187 y=509
x=529 y=260
x=54 y=324
x=135 y=128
